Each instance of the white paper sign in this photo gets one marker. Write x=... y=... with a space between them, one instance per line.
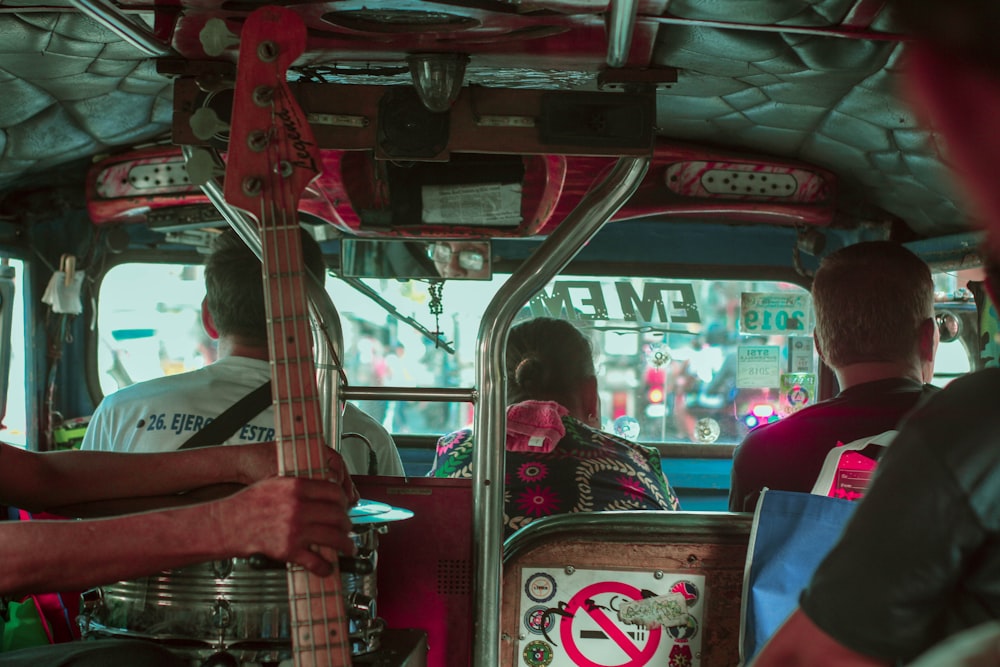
x=758 y=366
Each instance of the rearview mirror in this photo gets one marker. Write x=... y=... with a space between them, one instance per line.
x=949 y=326
x=454 y=259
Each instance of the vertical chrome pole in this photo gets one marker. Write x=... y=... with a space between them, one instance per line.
x=621 y=24
x=491 y=419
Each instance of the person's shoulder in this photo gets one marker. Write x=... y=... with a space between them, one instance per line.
x=141 y=392
x=356 y=419
x=977 y=383
x=354 y=414
x=970 y=397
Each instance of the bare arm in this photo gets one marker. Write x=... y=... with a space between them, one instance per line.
x=283 y=518
x=119 y=506
x=60 y=479
x=800 y=642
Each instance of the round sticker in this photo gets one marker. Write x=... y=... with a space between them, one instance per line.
x=688 y=590
x=682 y=633
x=540 y=587
x=537 y=654
x=537 y=620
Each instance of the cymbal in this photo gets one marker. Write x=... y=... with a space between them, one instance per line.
x=370 y=511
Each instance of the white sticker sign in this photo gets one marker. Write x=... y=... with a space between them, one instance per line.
x=770 y=313
x=574 y=619
x=480 y=204
x=758 y=366
x=800 y=354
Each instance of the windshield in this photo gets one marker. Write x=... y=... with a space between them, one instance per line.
x=698 y=361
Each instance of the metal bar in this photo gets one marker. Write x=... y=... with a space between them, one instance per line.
x=791 y=30
x=490 y=420
x=621 y=22
x=123 y=25
x=427 y=394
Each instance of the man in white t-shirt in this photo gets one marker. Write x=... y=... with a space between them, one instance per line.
x=164 y=413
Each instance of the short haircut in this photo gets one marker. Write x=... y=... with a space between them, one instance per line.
x=547 y=360
x=235 y=289
x=870 y=299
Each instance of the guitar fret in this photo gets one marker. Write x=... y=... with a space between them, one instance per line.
x=305 y=440
x=283 y=274
x=277 y=227
x=295 y=318
x=290 y=362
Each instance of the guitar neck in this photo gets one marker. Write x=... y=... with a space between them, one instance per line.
x=272 y=158
x=320 y=632
x=298 y=417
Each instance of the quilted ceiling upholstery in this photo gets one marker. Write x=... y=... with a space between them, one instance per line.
x=70 y=88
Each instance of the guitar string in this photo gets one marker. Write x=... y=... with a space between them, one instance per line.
x=304 y=368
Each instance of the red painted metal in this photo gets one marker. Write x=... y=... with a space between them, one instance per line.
x=567 y=35
x=553 y=186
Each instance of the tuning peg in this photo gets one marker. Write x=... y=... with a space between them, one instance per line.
x=214 y=83
x=202 y=167
x=206 y=124
x=216 y=37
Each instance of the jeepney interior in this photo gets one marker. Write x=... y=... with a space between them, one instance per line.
x=665 y=175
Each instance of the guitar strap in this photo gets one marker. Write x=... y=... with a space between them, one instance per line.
x=225 y=425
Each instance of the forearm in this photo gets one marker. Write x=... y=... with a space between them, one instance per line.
x=71 y=478
x=59 y=555
x=286 y=519
x=104 y=508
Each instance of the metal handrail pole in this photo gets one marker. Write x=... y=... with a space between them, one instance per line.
x=120 y=23
x=621 y=23
x=490 y=420
x=425 y=394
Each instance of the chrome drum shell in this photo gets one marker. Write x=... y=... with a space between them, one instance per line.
x=227 y=606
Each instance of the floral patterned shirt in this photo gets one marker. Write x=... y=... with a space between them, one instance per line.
x=587 y=471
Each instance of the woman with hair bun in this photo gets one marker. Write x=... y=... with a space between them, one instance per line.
x=558 y=460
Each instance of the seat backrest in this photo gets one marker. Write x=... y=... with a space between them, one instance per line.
x=570 y=579
x=848 y=468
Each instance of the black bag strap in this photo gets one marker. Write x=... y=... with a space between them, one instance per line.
x=238 y=414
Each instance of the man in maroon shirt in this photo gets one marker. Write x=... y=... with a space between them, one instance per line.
x=879 y=336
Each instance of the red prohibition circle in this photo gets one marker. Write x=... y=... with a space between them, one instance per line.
x=638 y=657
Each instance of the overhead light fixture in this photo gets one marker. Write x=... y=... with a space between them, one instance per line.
x=438 y=78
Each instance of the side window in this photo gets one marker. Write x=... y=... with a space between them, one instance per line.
x=160 y=334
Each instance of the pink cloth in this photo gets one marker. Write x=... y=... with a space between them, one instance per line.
x=535 y=426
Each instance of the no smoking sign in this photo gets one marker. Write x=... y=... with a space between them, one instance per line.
x=570 y=618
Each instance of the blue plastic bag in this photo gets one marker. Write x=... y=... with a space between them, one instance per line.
x=791 y=534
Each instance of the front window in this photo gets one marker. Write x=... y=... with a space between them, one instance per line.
x=679 y=360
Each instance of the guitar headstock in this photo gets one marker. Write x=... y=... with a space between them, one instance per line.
x=272 y=154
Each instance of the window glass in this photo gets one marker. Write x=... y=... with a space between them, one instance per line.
x=159 y=334
x=678 y=360
x=695 y=361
